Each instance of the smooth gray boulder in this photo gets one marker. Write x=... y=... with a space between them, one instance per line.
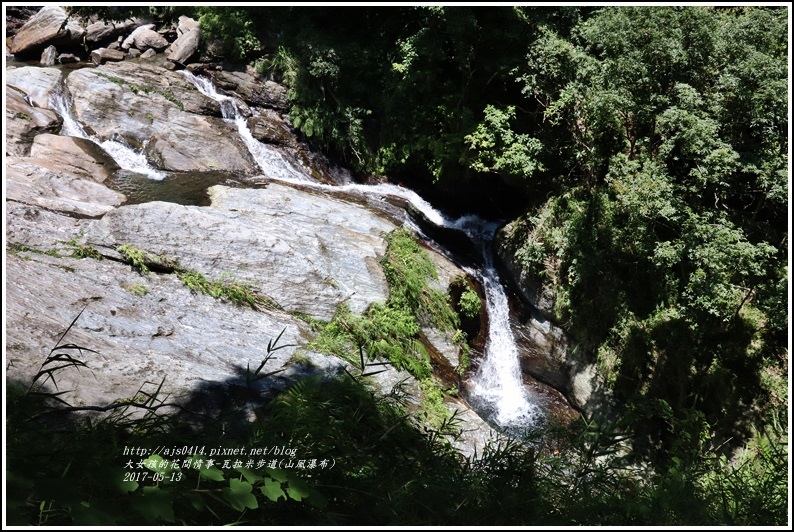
x=74 y=155
x=64 y=59
x=271 y=128
x=100 y=56
x=148 y=330
x=186 y=24
x=253 y=90
x=144 y=329
x=102 y=31
x=48 y=56
x=51 y=25
x=185 y=47
x=38 y=84
x=307 y=252
x=29 y=225
x=144 y=38
x=31 y=180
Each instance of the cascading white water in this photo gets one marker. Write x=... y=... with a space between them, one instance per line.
x=497 y=389
x=125 y=157
x=498 y=386
x=269 y=160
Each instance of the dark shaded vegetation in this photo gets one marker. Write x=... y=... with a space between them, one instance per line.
x=79 y=465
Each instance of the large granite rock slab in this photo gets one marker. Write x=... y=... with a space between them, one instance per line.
x=36 y=181
x=306 y=251
x=24 y=122
x=37 y=84
x=50 y=26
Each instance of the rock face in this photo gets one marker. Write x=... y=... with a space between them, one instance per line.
x=100 y=56
x=30 y=181
x=144 y=38
x=76 y=156
x=186 y=24
x=64 y=59
x=148 y=106
x=101 y=31
x=144 y=329
x=270 y=128
x=38 y=84
x=24 y=122
x=306 y=252
x=48 y=56
x=261 y=93
x=50 y=26
x=63 y=174
x=546 y=351
x=185 y=45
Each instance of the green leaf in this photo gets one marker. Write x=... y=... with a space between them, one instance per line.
x=249 y=475
x=124 y=486
x=211 y=473
x=272 y=490
x=297 y=489
x=239 y=495
x=155 y=505
x=158 y=464
x=278 y=474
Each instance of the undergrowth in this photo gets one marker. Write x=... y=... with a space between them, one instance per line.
x=151 y=460
x=389 y=331
x=224 y=288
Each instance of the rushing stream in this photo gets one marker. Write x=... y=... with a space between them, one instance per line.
x=269 y=160
x=125 y=157
x=496 y=391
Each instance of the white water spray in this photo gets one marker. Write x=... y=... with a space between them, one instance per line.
x=125 y=157
x=269 y=160
x=497 y=389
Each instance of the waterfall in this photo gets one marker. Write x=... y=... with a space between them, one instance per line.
x=269 y=160
x=497 y=390
x=125 y=157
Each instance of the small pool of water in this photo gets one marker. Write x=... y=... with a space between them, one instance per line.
x=183 y=188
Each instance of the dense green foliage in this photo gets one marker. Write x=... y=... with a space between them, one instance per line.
x=659 y=136
x=651 y=144
x=666 y=244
